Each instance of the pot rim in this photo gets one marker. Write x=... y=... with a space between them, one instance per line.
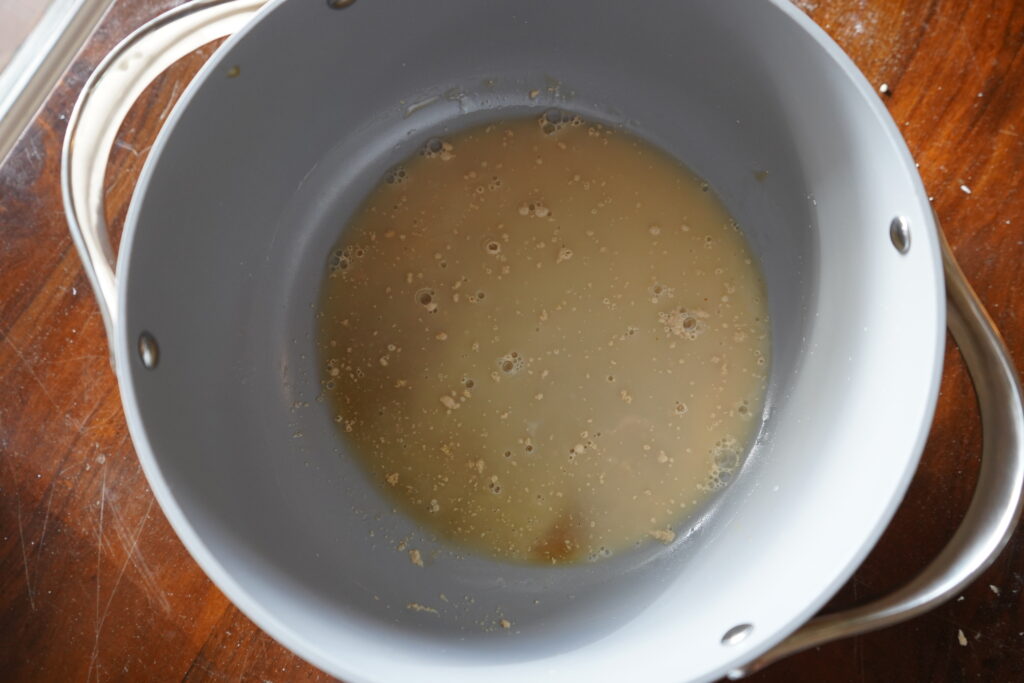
x=124 y=352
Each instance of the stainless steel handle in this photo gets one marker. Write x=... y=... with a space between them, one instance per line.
x=996 y=504
x=101 y=108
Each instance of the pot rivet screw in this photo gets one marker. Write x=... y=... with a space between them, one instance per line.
x=899 y=233
x=737 y=634
x=149 y=352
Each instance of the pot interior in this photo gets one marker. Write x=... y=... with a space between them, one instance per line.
x=253 y=181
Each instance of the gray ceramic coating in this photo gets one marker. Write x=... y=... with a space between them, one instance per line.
x=254 y=180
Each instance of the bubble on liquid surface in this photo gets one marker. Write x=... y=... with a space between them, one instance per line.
x=554 y=120
x=725 y=460
x=338 y=261
x=684 y=323
x=658 y=291
x=427 y=298
x=511 y=363
x=396 y=176
x=534 y=209
x=725 y=455
x=492 y=246
x=436 y=148
x=432 y=147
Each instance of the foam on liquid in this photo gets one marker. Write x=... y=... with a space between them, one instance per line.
x=545 y=339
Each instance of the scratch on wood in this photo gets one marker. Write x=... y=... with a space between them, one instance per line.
x=46 y=520
x=24 y=555
x=170 y=101
x=99 y=553
x=68 y=469
x=21 y=538
x=135 y=556
x=215 y=674
x=84 y=356
x=960 y=36
x=129 y=543
x=128 y=146
x=92 y=424
x=32 y=373
x=248 y=650
x=122 y=170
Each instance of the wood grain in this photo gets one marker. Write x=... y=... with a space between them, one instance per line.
x=95 y=585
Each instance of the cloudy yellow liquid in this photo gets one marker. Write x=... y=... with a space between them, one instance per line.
x=547 y=340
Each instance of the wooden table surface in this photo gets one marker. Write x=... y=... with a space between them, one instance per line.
x=95 y=585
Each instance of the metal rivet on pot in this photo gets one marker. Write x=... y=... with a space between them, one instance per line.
x=149 y=352
x=340 y=4
x=737 y=634
x=899 y=233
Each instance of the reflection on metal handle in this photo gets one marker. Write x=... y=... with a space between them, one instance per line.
x=101 y=108
x=996 y=504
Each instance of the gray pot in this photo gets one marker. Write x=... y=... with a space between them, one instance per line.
x=293 y=121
